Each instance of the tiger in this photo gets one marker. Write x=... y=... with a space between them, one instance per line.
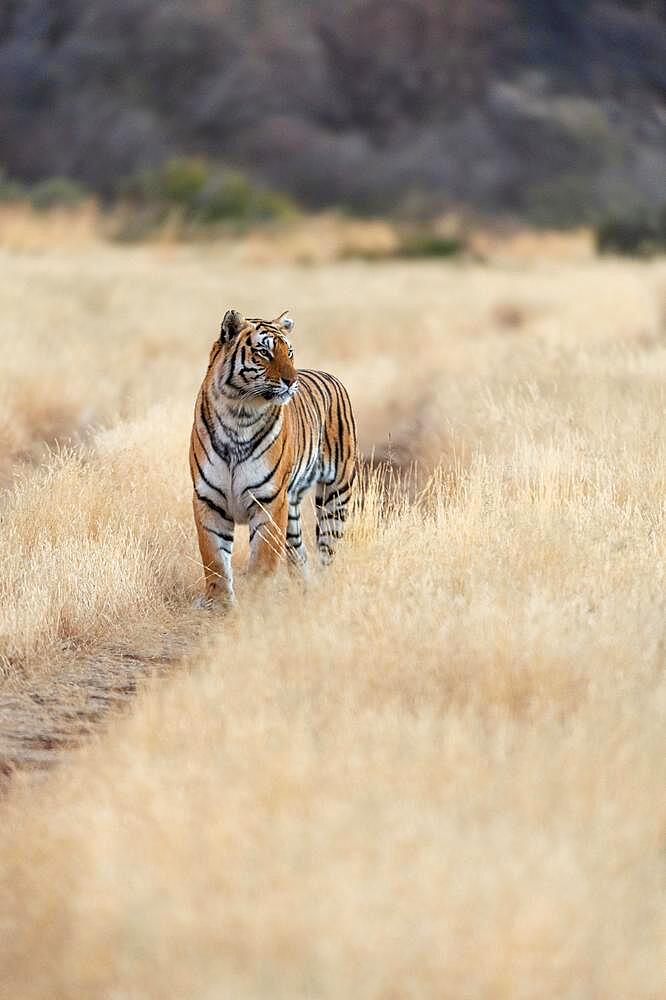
x=264 y=434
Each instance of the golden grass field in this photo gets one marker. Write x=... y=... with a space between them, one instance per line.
x=438 y=771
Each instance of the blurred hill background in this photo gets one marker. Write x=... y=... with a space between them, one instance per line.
x=553 y=111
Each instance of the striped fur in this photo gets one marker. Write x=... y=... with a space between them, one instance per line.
x=263 y=435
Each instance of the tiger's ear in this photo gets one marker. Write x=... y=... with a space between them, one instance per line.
x=285 y=321
x=232 y=324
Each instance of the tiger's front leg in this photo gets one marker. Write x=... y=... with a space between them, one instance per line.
x=296 y=551
x=268 y=534
x=215 y=531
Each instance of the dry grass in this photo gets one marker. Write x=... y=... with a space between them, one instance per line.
x=437 y=772
x=24 y=229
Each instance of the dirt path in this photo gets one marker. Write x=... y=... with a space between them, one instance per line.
x=44 y=717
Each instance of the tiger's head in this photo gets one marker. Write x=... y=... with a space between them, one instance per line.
x=252 y=361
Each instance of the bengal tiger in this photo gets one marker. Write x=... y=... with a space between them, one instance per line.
x=264 y=433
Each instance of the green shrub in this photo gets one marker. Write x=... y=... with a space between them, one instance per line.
x=639 y=234
x=10 y=190
x=276 y=205
x=431 y=245
x=227 y=196
x=230 y=196
x=182 y=180
x=177 y=182
x=204 y=194
x=57 y=191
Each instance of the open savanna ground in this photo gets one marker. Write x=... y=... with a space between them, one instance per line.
x=437 y=771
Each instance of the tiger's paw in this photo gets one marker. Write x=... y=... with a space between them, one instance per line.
x=219 y=604
x=202 y=603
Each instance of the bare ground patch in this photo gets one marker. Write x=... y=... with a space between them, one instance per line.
x=49 y=713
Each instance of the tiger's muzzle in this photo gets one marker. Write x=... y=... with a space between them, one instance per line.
x=283 y=393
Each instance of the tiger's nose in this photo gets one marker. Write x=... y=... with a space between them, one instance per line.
x=288 y=381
